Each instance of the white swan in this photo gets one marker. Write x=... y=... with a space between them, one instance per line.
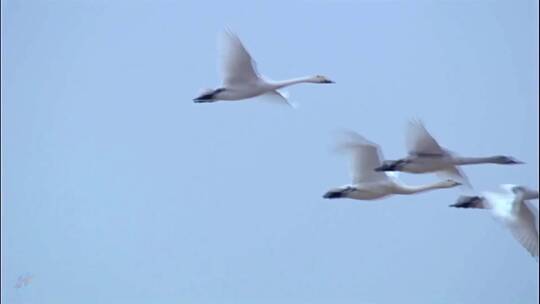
x=426 y=155
x=241 y=79
x=369 y=184
x=509 y=207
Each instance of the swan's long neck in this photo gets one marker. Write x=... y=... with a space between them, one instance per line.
x=475 y=160
x=407 y=189
x=518 y=202
x=285 y=83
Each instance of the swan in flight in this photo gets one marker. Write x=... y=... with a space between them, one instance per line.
x=369 y=184
x=241 y=79
x=426 y=155
x=509 y=207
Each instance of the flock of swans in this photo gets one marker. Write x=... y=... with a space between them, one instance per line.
x=373 y=176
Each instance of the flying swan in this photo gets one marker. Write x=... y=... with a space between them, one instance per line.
x=241 y=79
x=369 y=184
x=426 y=155
x=510 y=208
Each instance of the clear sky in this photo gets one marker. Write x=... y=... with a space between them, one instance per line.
x=117 y=188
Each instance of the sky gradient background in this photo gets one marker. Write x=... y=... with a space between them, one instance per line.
x=117 y=188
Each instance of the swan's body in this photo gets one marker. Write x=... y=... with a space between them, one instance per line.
x=241 y=79
x=369 y=184
x=426 y=155
x=510 y=208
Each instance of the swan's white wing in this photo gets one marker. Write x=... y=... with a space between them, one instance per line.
x=237 y=65
x=393 y=174
x=365 y=156
x=456 y=174
x=277 y=97
x=418 y=140
x=517 y=217
x=534 y=210
x=524 y=229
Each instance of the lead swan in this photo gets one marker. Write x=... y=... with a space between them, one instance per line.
x=426 y=155
x=369 y=184
x=510 y=208
x=241 y=79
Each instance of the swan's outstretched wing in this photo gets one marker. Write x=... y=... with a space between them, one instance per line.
x=516 y=215
x=277 y=97
x=456 y=174
x=237 y=65
x=365 y=156
x=419 y=142
x=534 y=210
x=523 y=228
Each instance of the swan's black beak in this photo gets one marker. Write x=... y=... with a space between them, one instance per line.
x=333 y=194
x=328 y=81
x=515 y=162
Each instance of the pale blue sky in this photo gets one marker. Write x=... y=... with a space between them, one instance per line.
x=117 y=188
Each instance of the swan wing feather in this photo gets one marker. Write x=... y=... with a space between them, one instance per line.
x=419 y=142
x=238 y=68
x=365 y=157
x=523 y=228
x=277 y=97
x=456 y=174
